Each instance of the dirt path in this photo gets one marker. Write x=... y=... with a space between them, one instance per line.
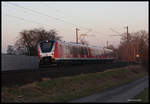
x=123 y=93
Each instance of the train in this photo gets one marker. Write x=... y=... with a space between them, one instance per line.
x=61 y=52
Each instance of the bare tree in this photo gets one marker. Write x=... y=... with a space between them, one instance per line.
x=137 y=45
x=10 y=50
x=28 y=40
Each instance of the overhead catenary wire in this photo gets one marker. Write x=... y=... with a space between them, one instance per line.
x=115 y=32
x=57 y=10
x=56 y=18
x=27 y=20
x=20 y=18
x=39 y=13
x=24 y=11
x=43 y=14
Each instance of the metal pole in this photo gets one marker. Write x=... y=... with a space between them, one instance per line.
x=76 y=35
x=127 y=45
x=134 y=58
x=127 y=34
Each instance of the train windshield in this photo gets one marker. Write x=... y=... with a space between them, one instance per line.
x=46 y=46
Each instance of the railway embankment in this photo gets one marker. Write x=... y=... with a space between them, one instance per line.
x=67 y=88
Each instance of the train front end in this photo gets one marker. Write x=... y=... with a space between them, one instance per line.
x=46 y=52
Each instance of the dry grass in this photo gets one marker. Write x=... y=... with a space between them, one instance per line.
x=69 y=88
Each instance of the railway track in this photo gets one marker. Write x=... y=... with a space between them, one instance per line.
x=20 y=77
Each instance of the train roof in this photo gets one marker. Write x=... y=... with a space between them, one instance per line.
x=77 y=44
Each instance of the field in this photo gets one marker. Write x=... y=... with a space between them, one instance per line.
x=68 y=88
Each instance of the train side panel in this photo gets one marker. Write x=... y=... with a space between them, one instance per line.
x=67 y=52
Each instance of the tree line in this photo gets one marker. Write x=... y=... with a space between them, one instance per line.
x=133 y=49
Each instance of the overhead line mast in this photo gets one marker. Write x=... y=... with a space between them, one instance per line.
x=77 y=35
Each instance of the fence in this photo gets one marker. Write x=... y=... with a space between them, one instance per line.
x=18 y=62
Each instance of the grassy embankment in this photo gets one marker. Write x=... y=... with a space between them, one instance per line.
x=143 y=96
x=69 y=88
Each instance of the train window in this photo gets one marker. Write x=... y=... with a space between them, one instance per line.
x=81 y=51
x=61 y=50
x=78 y=50
x=46 y=46
x=93 y=52
x=97 y=52
x=89 y=51
x=71 y=50
x=85 y=51
x=74 y=50
x=110 y=53
x=65 y=50
x=68 y=51
x=100 y=52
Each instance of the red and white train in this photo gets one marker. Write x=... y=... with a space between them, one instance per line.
x=59 y=52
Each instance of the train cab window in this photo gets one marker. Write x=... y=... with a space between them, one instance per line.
x=46 y=46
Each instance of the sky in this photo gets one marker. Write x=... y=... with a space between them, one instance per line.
x=97 y=19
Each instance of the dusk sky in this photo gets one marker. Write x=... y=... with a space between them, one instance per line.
x=64 y=17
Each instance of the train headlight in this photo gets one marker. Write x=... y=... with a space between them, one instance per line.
x=53 y=55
